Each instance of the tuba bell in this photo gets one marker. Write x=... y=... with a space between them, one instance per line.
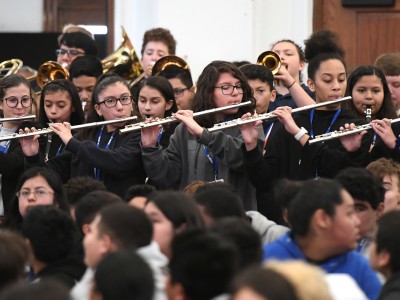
x=271 y=60
x=49 y=71
x=124 y=60
x=167 y=61
x=9 y=67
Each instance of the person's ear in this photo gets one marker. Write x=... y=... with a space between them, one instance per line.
x=383 y=259
x=273 y=96
x=321 y=219
x=98 y=110
x=381 y=209
x=169 y=104
x=85 y=229
x=311 y=85
x=175 y=291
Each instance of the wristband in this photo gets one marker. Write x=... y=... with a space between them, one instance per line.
x=300 y=134
x=291 y=84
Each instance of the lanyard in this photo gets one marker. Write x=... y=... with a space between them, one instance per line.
x=214 y=162
x=267 y=134
x=4 y=149
x=160 y=134
x=96 y=170
x=372 y=143
x=329 y=128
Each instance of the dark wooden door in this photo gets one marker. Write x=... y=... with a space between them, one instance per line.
x=364 y=31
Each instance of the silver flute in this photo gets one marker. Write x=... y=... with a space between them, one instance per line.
x=339 y=133
x=271 y=115
x=172 y=119
x=22 y=118
x=75 y=127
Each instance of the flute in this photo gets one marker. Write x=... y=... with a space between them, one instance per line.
x=339 y=133
x=270 y=115
x=29 y=117
x=75 y=127
x=166 y=120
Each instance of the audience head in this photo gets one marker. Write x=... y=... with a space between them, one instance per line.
x=133 y=280
x=88 y=206
x=116 y=227
x=242 y=234
x=324 y=210
x=74 y=44
x=368 y=194
x=389 y=171
x=79 y=186
x=261 y=80
x=13 y=258
x=37 y=186
x=389 y=63
x=43 y=290
x=385 y=250
x=138 y=194
x=51 y=233
x=202 y=265
x=171 y=213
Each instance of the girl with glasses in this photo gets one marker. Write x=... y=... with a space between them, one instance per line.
x=155 y=99
x=59 y=102
x=99 y=152
x=15 y=101
x=193 y=152
x=36 y=186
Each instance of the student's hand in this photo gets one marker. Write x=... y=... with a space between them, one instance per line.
x=284 y=114
x=383 y=128
x=63 y=130
x=250 y=132
x=186 y=117
x=150 y=134
x=29 y=145
x=351 y=142
x=283 y=77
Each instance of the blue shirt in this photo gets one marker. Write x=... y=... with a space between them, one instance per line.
x=352 y=263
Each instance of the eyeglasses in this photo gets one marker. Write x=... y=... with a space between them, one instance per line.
x=179 y=92
x=13 y=101
x=111 y=102
x=39 y=193
x=72 y=52
x=227 y=89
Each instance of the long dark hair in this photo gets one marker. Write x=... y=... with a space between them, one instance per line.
x=54 y=181
x=204 y=96
x=62 y=85
x=387 y=110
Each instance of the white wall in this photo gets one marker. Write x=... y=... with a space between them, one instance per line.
x=205 y=30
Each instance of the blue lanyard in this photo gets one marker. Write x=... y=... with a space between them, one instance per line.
x=214 y=162
x=4 y=149
x=329 y=128
x=160 y=134
x=59 y=149
x=267 y=134
x=96 y=170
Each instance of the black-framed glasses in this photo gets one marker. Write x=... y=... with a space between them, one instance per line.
x=112 y=101
x=178 y=92
x=39 y=193
x=72 y=52
x=227 y=89
x=13 y=101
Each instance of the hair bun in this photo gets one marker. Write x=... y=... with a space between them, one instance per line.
x=323 y=41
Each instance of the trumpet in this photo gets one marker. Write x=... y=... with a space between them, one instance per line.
x=172 y=119
x=29 y=117
x=271 y=116
x=337 y=134
x=75 y=127
x=271 y=60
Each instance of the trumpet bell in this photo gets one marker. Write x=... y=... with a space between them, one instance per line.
x=124 y=60
x=271 y=60
x=167 y=61
x=9 y=67
x=49 y=71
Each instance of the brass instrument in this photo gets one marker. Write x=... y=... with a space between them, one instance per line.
x=271 y=60
x=139 y=126
x=124 y=60
x=29 y=117
x=9 y=67
x=75 y=127
x=49 y=71
x=271 y=116
x=168 y=61
x=339 y=133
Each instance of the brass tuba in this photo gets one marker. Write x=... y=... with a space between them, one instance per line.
x=271 y=60
x=9 y=67
x=167 y=61
x=124 y=60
